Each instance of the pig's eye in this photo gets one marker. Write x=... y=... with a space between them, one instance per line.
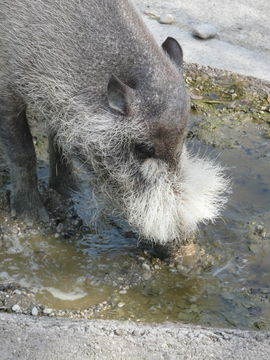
x=144 y=151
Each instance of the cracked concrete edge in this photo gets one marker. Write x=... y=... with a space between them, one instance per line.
x=37 y=338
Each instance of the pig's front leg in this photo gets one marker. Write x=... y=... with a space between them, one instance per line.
x=62 y=178
x=18 y=149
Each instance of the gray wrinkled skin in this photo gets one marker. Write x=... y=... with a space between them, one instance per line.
x=108 y=96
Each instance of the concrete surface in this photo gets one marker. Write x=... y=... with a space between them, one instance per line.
x=29 y=338
x=242 y=45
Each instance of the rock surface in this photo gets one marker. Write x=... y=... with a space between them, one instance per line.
x=27 y=338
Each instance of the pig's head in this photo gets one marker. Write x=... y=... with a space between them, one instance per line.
x=135 y=150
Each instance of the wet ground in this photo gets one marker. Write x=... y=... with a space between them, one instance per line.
x=222 y=279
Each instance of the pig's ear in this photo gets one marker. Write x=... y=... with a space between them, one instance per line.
x=117 y=93
x=174 y=50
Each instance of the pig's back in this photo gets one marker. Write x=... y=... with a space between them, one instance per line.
x=73 y=45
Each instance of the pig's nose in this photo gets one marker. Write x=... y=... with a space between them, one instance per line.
x=168 y=157
x=145 y=151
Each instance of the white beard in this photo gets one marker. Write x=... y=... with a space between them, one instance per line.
x=173 y=205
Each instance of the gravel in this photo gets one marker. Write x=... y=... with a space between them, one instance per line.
x=63 y=339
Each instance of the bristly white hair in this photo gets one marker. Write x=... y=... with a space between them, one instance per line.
x=174 y=204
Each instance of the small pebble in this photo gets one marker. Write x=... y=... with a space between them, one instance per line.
x=140 y=258
x=204 y=31
x=34 y=311
x=121 y=304
x=60 y=227
x=16 y=308
x=259 y=228
x=119 y=332
x=166 y=19
x=122 y=292
x=147 y=275
x=136 y=333
x=193 y=299
x=76 y=222
x=47 y=311
x=146 y=267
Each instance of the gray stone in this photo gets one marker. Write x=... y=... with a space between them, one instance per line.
x=136 y=332
x=60 y=227
x=119 y=332
x=204 y=31
x=147 y=275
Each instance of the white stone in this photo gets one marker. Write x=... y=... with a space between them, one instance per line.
x=146 y=267
x=204 y=31
x=47 y=311
x=16 y=308
x=34 y=311
x=166 y=19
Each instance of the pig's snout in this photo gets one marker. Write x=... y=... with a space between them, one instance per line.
x=168 y=153
x=145 y=151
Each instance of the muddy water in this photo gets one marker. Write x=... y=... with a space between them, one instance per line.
x=228 y=286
